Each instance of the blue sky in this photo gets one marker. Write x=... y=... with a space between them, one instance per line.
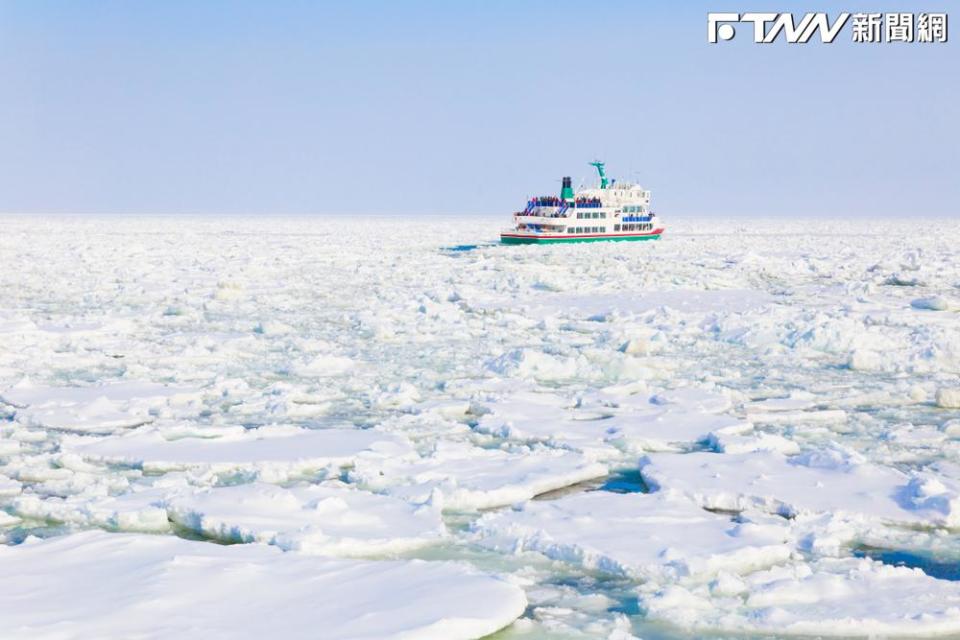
x=462 y=107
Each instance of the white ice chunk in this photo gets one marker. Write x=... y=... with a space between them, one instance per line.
x=120 y=585
x=736 y=443
x=631 y=423
x=948 y=398
x=797 y=401
x=598 y=305
x=141 y=511
x=650 y=536
x=826 y=416
x=831 y=597
x=324 y=365
x=933 y=303
x=9 y=487
x=465 y=477
x=94 y=409
x=271 y=452
x=326 y=520
x=815 y=482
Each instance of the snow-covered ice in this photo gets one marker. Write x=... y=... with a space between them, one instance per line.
x=97 y=408
x=270 y=451
x=650 y=536
x=612 y=422
x=831 y=597
x=99 y=585
x=200 y=417
x=826 y=481
x=462 y=477
x=318 y=519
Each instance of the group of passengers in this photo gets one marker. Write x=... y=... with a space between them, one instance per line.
x=545 y=201
x=587 y=203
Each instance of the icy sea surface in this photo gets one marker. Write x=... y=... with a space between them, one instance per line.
x=397 y=428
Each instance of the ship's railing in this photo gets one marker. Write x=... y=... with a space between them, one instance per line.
x=552 y=201
x=538 y=212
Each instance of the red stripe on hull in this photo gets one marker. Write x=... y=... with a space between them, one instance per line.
x=581 y=235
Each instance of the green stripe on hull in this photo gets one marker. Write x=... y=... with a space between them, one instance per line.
x=535 y=240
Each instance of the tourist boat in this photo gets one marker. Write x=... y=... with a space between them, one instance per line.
x=612 y=211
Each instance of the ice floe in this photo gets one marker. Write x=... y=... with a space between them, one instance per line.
x=98 y=584
x=648 y=536
x=136 y=511
x=948 y=398
x=270 y=452
x=613 y=420
x=327 y=519
x=460 y=476
x=825 y=481
x=830 y=597
x=97 y=408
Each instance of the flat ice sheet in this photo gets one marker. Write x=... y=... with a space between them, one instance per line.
x=99 y=585
x=603 y=423
x=599 y=305
x=270 y=451
x=142 y=511
x=648 y=536
x=831 y=597
x=328 y=519
x=814 y=482
x=96 y=408
x=462 y=477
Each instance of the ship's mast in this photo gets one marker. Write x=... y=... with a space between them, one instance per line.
x=603 y=177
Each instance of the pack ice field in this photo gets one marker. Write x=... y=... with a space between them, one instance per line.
x=381 y=428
